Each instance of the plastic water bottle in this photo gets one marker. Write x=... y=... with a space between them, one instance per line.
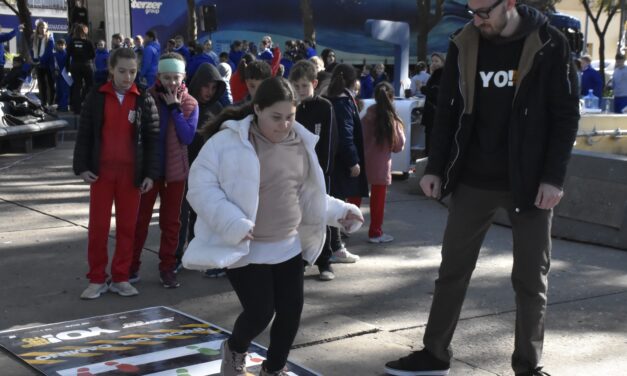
x=591 y=101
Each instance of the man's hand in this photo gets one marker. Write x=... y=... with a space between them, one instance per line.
x=88 y=177
x=146 y=186
x=548 y=196
x=431 y=185
x=355 y=170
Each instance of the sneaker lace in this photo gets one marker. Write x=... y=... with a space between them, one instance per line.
x=239 y=361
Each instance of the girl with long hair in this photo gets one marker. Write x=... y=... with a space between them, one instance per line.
x=348 y=179
x=383 y=135
x=262 y=210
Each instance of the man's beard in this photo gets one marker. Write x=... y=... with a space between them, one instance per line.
x=489 y=31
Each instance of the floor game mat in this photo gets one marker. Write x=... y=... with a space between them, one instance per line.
x=156 y=341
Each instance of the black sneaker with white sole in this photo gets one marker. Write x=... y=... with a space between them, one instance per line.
x=418 y=363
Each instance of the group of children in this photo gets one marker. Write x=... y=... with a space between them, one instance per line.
x=258 y=187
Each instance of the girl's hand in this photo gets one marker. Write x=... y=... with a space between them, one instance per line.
x=146 y=186
x=88 y=177
x=355 y=170
x=249 y=236
x=171 y=97
x=350 y=218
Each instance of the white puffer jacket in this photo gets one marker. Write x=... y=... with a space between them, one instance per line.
x=224 y=191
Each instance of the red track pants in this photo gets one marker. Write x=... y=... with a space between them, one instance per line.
x=171 y=195
x=377 y=206
x=115 y=184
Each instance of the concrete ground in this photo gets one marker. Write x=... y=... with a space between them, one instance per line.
x=374 y=311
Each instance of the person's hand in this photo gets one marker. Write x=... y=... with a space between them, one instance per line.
x=146 y=185
x=21 y=27
x=88 y=177
x=350 y=218
x=355 y=170
x=548 y=196
x=249 y=236
x=431 y=185
x=171 y=97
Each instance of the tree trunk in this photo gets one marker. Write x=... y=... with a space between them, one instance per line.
x=424 y=10
x=309 y=31
x=602 y=62
x=26 y=40
x=426 y=22
x=70 y=8
x=192 y=25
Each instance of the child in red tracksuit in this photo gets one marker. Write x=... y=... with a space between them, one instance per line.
x=116 y=153
x=383 y=135
x=178 y=117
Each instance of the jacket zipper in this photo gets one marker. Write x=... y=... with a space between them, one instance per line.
x=459 y=127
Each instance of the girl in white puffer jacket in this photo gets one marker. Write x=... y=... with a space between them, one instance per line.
x=262 y=209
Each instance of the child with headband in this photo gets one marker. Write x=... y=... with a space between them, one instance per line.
x=178 y=114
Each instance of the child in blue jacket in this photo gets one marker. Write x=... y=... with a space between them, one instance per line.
x=102 y=56
x=63 y=86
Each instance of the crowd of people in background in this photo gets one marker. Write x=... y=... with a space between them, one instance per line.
x=191 y=86
x=591 y=82
x=180 y=122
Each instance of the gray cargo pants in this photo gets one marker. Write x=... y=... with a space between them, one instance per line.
x=470 y=216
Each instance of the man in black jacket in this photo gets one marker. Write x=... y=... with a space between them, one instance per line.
x=506 y=122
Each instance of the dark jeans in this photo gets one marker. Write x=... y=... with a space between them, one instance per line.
x=327 y=250
x=45 y=84
x=470 y=216
x=186 y=233
x=83 y=76
x=328 y=247
x=264 y=290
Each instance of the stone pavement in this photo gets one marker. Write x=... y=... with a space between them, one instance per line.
x=374 y=311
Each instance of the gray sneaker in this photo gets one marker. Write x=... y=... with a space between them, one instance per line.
x=123 y=289
x=94 y=290
x=282 y=372
x=342 y=255
x=233 y=363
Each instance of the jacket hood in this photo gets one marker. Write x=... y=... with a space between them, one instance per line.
x=530 y=20
x=207 y=73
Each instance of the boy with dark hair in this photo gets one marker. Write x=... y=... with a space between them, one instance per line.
x=101 y=63
x=316 y=114
x=254 y=73
x=150 y=60
x=15 y=78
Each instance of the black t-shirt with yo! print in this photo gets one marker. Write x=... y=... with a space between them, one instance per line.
x=486 y=163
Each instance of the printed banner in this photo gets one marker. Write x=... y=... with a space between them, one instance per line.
x=156 y=341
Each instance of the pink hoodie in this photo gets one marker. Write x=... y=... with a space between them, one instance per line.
x=379 y=157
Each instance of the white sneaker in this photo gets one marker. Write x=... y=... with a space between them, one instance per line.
x=123 y=289
x=94 y=290
x=343 y=256
x=384 y=238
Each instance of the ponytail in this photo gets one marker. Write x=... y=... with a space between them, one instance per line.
x=386 y=117
x=342 y=78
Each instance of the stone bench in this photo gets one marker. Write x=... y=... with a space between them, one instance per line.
x=22 y=138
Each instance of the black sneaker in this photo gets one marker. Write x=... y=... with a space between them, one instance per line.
x=418 y=363
x=168 y=280
x=535 y=372
x=214 y=273
x=326 y=272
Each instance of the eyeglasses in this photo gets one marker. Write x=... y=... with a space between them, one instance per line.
x=483 y=13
